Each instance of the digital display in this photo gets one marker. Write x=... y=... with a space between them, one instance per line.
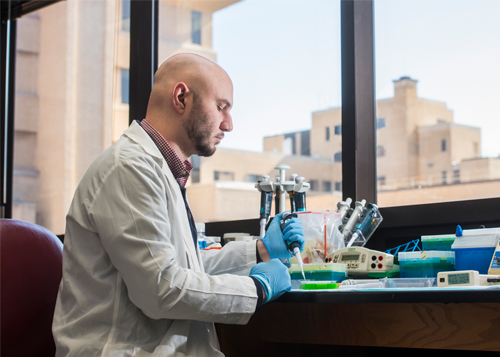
x=350 y=257
x=456 y=279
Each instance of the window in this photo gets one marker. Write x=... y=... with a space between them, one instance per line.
x=223 y=176
x=381 y=180
x=196 y=27
x=314 y=185
x=414 y=90
x=195 y=173
x=327 y=133
x=254 y=178
x=338 y=186
x=338 y=129
x=445 y=177
x=380 y=123
x=126 y=15
x=337 y=157
x=327 y=186
x=380 y=151
x=125 y=76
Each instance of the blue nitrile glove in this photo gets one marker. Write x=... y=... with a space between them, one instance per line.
x=274 y=277
x=277 y=241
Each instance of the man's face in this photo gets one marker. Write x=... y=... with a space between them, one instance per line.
x=207 y=122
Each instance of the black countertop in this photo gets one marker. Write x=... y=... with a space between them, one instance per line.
x=432 y=295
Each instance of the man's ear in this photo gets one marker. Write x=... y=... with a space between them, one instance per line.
x=179 y=97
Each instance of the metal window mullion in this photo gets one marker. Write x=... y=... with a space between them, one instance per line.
x=9 y=30
x=143 y=55
x=358 y=101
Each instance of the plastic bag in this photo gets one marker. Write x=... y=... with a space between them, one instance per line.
x=321 y=229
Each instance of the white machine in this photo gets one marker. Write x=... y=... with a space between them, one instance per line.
x=363 y=262
x=466 y=278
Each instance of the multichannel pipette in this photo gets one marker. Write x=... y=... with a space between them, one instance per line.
x=293 y=247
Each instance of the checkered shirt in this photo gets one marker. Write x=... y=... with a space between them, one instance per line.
x=180 y=170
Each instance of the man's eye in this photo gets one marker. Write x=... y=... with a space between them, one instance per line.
x=220 y=108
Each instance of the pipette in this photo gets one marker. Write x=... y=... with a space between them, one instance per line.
x=293 y=247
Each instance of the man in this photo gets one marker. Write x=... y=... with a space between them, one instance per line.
x=134 y=282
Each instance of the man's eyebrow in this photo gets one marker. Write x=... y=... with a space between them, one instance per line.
x=226 y=102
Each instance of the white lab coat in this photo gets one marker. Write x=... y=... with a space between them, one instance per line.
x=133 y=282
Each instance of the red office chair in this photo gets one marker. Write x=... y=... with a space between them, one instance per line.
x=31 y=270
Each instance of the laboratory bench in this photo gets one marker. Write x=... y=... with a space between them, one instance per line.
x=457 y=322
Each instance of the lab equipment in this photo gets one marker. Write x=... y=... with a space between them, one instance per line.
x=407 y=247
x=343 y=207
x=495 y=261
x=466 y=278
x=438 y=242
x=364 y=262
x=353 y=220
x=425 y=264
x=296 y=189
x=320 y=272
x=293 y=247
x=276 y=241
x=358 y=223
x=266 y=189
x=369 y=222
x=474 y=248
x=407 y=283
x=274 y=278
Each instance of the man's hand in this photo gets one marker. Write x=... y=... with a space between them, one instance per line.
x=276 y=242
x=274 y=278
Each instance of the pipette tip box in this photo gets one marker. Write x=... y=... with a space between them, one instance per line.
x=438 y=242
x=320 y=272
x=425 y=264
x=318 y=285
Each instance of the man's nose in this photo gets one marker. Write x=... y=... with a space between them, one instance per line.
x=227 y=124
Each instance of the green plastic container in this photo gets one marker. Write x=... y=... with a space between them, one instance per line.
x=440 y=242
x=425 y=264
x=320 y=272
x=318 y=285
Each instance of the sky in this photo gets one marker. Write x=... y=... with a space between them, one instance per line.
x=284 y=59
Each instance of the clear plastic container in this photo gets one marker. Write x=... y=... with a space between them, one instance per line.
x=425 y=264
x=440 y=242
x=407 y=283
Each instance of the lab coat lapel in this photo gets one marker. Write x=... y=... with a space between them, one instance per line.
x=139 y=135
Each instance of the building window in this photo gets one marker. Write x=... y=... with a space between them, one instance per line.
x=381 y=180
x=456 y=176
x=314 y=185
x=337 y=157
x=125 y=85
x=126 y=15
x=254 y=178
x=445 y=177
x=195 y=173
x=338 y=186
x=380 y=151
x=327 y=186
x=327 y=133
x=338 y=129
x=223 y=176
x=443 y=145
x=380 y=123
x=196 y=27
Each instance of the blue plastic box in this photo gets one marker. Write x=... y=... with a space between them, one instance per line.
x=475 y=248
x=439 y=242
x=425 y=264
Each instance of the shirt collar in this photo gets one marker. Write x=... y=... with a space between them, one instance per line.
x=180 y=170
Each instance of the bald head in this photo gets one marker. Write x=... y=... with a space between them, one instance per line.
x=179 y=83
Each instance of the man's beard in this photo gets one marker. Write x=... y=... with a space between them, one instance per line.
x=197 y=128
